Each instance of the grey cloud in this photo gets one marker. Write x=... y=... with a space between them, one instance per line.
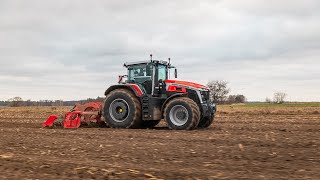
x=259 y=46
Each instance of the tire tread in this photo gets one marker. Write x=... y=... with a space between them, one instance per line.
x=195 y=111
x=137 y=120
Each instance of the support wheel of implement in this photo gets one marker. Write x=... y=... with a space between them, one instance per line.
x=206 y=122
x=150 y=124
x=182 y=113
x=122 y=109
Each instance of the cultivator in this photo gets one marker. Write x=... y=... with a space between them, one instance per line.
x=88 y=114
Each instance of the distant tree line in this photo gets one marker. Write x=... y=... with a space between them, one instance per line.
x=18 y=101
x=219 y=92
x=239 y=98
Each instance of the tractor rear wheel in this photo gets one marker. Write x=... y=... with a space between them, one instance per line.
x=150 y=124
x=182 y=113
x=122 y=109
x=206 y=122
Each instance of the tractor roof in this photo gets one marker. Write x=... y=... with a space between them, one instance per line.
x=145 y=62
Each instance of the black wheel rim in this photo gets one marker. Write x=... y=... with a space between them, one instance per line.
x=119 y=110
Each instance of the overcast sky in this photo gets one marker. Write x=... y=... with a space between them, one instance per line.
x=74 y=49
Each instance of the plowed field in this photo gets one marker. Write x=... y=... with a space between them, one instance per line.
x=242 y=143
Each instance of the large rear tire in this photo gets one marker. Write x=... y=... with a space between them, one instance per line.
x=122 y=109
x=206 y=122
x=182 y=113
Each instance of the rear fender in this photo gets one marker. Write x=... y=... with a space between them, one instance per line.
x=132 y=87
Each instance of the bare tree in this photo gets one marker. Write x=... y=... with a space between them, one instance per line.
x=279 y=97
x=231 y=99
x=218 y=90
x=240 y=98
x=15 y=102
x=268 y=100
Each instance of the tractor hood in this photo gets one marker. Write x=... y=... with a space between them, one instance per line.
x=186 y=83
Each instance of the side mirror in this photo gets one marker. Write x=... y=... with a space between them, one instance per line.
x=120 y=77
x=175 y=73
x=120 y=80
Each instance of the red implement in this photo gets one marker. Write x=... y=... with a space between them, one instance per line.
x=91 y=112
x=49 y=122
x=72 y=120
x=80 y=114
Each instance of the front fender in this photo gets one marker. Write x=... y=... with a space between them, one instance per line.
x=171 y=97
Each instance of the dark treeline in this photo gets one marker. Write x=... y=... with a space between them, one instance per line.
x=17 y=102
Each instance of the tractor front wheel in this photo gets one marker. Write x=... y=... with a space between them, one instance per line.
x=206 y=122
x=122 y=109
x=182 y=113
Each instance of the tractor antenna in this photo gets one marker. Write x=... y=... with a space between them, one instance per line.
x=169 y=68
x=151 y=57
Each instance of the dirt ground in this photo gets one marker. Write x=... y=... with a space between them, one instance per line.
x=242 y=143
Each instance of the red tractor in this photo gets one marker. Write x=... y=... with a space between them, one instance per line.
x=147 y=96
x=144 y=98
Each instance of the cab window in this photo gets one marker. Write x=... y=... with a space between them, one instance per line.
x=162 y=71
x=140 y=73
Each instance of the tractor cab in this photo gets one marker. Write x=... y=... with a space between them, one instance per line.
x=148 y=75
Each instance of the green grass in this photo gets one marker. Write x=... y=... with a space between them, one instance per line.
x=306 y=104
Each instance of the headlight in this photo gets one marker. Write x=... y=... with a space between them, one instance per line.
x=205 y=95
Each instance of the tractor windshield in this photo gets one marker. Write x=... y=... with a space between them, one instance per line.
x=140 y=73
